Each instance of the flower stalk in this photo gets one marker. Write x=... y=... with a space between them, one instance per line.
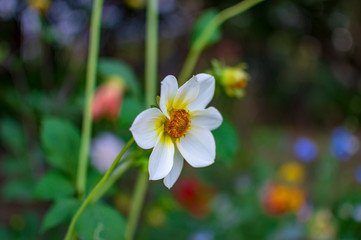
x=118 y=172
x=151 y=64
x=89 y=95
x=95 y=192
x=201 y=41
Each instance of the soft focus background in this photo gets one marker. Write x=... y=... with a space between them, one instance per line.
x=288 y=161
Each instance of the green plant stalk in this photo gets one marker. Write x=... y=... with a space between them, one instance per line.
x=94 y=192
x=118 y=172
x=151 y=64
x=151 y=52
x=201 y=41
x=138 y=200
x=89 y=95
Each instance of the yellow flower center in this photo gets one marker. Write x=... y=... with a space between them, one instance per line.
x=178 y=123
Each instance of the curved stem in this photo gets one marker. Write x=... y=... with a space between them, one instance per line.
x=89 y=94
x=118 y=172
x=202 y=40
x=95 y=190
x=151 y=63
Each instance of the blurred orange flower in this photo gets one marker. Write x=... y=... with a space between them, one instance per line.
x=278 y=199
x=194 y=196
x=108 y=99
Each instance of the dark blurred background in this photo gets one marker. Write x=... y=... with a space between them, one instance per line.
x=302 y=106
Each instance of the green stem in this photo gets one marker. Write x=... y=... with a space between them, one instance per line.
x=96 y=189
x=138 y=200
x=151 y=54
x=118 y=172
x=89 y=94
x=202 y=40
x=151 y=63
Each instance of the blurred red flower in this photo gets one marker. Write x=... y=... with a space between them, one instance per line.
x=194 y=196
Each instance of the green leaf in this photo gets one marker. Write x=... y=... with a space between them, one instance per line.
x=17 y=190
x=109 y=67
x=12 y=135
x=101 y=222
x=13 y=167
x=3 y=233
x=59 y=212
x=201 y=24
x=53 y=185
x=227 y=141
x=61 y=141
x=131 y=108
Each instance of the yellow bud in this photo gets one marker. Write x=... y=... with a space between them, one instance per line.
x=234 y=80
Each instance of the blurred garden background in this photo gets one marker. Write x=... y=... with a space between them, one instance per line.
x=288 y=159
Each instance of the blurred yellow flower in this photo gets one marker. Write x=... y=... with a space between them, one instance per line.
x=135 y=4
x=292 y=172
x=156 y=216
x=41 y=6
x=322 y=226
x=234 y=80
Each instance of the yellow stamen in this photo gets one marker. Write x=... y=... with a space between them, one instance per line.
x=178 y=124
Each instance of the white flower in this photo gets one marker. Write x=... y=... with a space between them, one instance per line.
x=181 y=128
x=104 y=149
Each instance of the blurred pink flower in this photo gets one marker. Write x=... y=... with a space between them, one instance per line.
x=108 y=99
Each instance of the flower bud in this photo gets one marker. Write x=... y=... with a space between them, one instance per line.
x=234 y=80
x=108 y=99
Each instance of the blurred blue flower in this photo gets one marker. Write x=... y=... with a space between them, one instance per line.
x=305 y=149
x=8 y=8
x=202 y=235
x=66 y=23
x=289 y=232
x=357 y=213
x=358 y=174
x=343 y=143
x=30 y=23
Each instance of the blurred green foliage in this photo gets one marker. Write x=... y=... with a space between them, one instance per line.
x=304 y=62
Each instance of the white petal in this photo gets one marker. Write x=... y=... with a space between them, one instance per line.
x=209 y=118
x=168 y=90
x=146 y=127
x=161 y=158
x=198 y=147
x=173 y=175
x=206 y=91
x=186 y=94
